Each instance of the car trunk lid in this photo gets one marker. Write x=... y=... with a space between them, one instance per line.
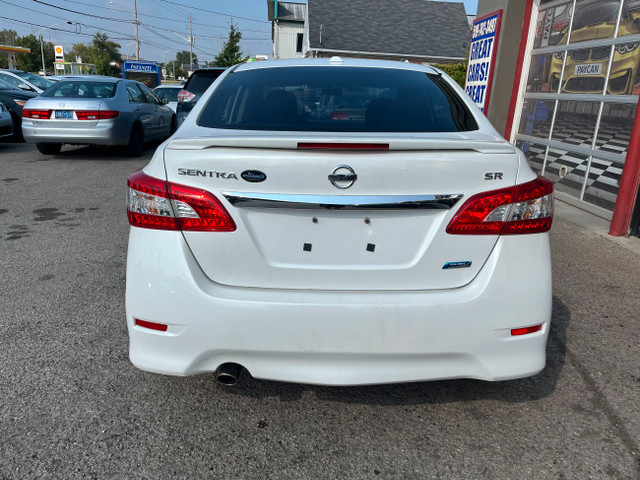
x=296 y=229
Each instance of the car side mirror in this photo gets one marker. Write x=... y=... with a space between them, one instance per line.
x=164 y=101
x=24 y=86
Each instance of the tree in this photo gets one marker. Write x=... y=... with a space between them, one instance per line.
x=7 y=37
x=101 y=52
x=230 y=53
x=29 y=62
x=105 y=51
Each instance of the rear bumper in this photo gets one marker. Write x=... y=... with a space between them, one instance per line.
x=103 y=132
x=339 y=338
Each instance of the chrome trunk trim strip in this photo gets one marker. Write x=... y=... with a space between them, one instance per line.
x=346 y=202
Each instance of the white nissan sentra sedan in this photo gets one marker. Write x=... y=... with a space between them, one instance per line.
x=394 y=238
x=94 y=110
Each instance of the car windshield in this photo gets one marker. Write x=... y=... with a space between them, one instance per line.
x=36 y=80
x=336 y=99
x=72 y=89
x=595 y=14
x=171 y=94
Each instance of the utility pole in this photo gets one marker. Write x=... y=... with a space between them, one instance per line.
x=190 y=44
x=135 y=18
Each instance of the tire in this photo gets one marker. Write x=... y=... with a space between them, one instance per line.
x=135 y=147
x=17 y=128
x=49 y=148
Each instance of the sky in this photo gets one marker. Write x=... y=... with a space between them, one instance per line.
x=164 y=24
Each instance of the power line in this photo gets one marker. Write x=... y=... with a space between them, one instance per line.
x=62 y=18
x=82 y=13
x=56 y=29
x=215 y=13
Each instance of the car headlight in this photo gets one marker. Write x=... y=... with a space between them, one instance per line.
x=626 y=47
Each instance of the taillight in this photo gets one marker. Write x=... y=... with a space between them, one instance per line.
x=185 y=96
x=526 y=208
x=96 y=114
x=154 y=203
x=33 y=113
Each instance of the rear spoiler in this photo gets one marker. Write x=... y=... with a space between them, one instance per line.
x=457 y=142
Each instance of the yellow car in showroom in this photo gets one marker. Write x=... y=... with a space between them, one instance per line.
x=586 y=69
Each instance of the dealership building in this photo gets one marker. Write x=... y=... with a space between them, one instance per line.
x=564 y=87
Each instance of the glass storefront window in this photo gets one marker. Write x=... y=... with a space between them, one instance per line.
x=566 y=170
x=629 y=21
x=597 y=55
x=585 y=70
x=603 y=183
x=552 y=25
x=614 y=132
x=535 y=154
x=536 y=118
x=575 y=123
x=594 y=19
x=544 y=73
x=624 y=78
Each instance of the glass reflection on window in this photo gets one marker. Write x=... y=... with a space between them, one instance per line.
x=566 y=170
x=594 y=19
x=534 y=152
x=614 y=131
x=552 y=25
x=544 y=73
x=603 y=183
x=536 y=117
x=585 y=70
x=575 y=123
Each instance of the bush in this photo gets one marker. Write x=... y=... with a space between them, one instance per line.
x=457 y=71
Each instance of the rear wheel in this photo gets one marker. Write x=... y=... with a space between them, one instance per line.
x=49 y=148
x=135 y=147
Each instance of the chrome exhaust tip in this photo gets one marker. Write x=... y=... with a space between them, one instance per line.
x=228 y=374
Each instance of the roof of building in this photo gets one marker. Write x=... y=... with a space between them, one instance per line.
x=422 y=28
x=289 y=11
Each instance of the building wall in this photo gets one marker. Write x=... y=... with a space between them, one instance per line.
x=285 y=40
x=509 y=44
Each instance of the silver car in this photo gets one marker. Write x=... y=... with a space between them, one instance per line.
x=96 y=111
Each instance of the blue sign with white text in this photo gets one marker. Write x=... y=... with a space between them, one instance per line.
x=484 y=39
x=148 y=73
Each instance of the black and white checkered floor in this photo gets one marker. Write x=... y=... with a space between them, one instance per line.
x=568 y=168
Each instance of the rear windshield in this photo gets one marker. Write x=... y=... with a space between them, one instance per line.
x=80 y=89
x=170 y=94
x=200 y=81
x=336 y=99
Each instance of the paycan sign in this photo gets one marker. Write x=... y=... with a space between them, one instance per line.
x=482 y=55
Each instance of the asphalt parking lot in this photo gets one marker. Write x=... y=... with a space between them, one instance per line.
x=74 y=407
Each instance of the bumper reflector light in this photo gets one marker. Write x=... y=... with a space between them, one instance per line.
x=525 y=330
x=161 y=327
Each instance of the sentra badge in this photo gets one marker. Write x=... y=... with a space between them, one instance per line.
x=192 y=172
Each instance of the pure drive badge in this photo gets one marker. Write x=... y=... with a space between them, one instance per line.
x=192 y=172
x=254 y=176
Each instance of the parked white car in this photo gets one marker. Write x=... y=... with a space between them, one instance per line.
x=169 y=94
x=399 y=239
